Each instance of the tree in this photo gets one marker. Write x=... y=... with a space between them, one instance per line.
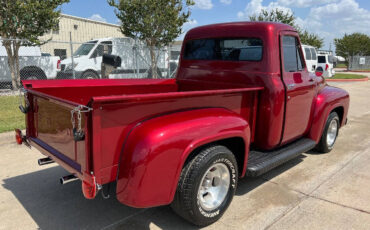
x=278 y=15
x=156 y=22
x=22 y=22
x=351 y=45
x=310 y=39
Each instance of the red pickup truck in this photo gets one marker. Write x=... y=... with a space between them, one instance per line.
x=242 y=103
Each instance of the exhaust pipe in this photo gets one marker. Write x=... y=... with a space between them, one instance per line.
x=45 y=161
x=67 y=179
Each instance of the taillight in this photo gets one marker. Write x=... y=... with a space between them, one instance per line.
x=58 y=64
x=326 y=67
x=18 y=136
x=89 y=189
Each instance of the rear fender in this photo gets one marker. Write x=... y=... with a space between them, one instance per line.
x=156 y=150
x=328 y=99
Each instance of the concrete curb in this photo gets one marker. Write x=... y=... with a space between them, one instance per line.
x=348 y=80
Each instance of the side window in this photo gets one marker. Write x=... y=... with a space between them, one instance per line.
x=292 y=55
x=108 y=45
x=99 y=51
x=308 y=53
x=313 y=52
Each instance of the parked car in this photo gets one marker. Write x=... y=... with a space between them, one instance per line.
x=310 y=55
x=240 y=105
x=87 y=60
x=32 y=64
x=326 y=62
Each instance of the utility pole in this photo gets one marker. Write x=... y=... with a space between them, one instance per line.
x=73 y=63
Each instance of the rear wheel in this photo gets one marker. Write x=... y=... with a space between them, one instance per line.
x=207 y=185
x=90 y=75
x=329 y=136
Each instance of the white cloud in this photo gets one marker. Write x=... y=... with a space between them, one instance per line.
x=226 y=2
x=255 y=7
x=186 y=27
x=97 y=17
x=304 y=3
x=328 y=18
x=335 y=19
x=203 y=4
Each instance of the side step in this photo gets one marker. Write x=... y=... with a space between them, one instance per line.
x=261 y=162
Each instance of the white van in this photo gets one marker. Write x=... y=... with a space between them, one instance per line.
x=32 y=64
x=310 y=55
x=326 y=62
x=135 y=57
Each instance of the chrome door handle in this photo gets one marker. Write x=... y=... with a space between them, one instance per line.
x=291 y=86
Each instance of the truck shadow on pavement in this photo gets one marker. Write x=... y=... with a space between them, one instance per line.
x=55 y=206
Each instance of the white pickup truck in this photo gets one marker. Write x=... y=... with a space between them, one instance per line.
x=32 y=64
x=87 y=60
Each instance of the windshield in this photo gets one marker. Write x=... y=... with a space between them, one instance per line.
x=85 y=48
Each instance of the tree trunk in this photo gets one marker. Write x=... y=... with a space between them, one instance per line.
x=153 y=62
x=12 y=48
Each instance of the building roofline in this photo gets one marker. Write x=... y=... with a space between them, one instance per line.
x=89 y=20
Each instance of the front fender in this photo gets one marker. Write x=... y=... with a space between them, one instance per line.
x=156 y=150
x=328 y=99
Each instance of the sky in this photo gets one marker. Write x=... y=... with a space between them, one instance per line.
x=327 y=18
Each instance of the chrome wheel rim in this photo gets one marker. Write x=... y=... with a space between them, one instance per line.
x=214 y=187
x=332 y=133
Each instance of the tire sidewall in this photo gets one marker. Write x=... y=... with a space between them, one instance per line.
x=229 y=161
x=89 y=75
x=332 y=116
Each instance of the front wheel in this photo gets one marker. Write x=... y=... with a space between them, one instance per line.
x=329 y=135
x=207 y=186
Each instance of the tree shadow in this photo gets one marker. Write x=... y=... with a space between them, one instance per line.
x=55 y=206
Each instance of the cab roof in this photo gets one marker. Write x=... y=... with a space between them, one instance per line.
x=237 y=29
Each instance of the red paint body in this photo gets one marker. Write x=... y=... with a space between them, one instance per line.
x=140 y=132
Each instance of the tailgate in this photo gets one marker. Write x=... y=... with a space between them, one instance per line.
x=52 y=125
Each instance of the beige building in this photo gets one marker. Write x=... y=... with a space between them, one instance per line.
x=81 y=30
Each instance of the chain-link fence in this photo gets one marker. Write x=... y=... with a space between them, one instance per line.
x=72 y=60
x=359 y=63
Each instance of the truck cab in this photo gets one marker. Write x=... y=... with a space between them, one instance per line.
x=242 y=103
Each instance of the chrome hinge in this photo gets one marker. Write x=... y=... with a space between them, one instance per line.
x=78 y=133
x=24 y=109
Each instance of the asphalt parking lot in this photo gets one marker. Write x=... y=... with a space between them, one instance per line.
x=314 y=191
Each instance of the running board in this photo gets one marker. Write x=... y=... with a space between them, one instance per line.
x=261 y=162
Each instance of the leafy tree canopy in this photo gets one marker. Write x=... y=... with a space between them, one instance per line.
x=286 y=17
x=352 y=44
x=28 y=19
x=157 y=22
x=22 y=22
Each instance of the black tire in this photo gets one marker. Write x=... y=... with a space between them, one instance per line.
x=33 y=76
x=186 y=202
x=323 y=146
x=89 y=74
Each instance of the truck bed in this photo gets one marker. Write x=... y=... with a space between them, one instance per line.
x=116 y=106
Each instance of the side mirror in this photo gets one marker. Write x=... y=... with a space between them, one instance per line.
x=112 y=60
x=319 y=71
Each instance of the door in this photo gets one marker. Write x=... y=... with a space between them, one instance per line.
x=300 y=88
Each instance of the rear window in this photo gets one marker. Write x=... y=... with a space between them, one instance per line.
x=246 y=49
x=321 y=59
x=313 y=53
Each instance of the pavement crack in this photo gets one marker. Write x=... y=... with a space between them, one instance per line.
x=309 y=195
x=339 y=204
x=125 y=218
